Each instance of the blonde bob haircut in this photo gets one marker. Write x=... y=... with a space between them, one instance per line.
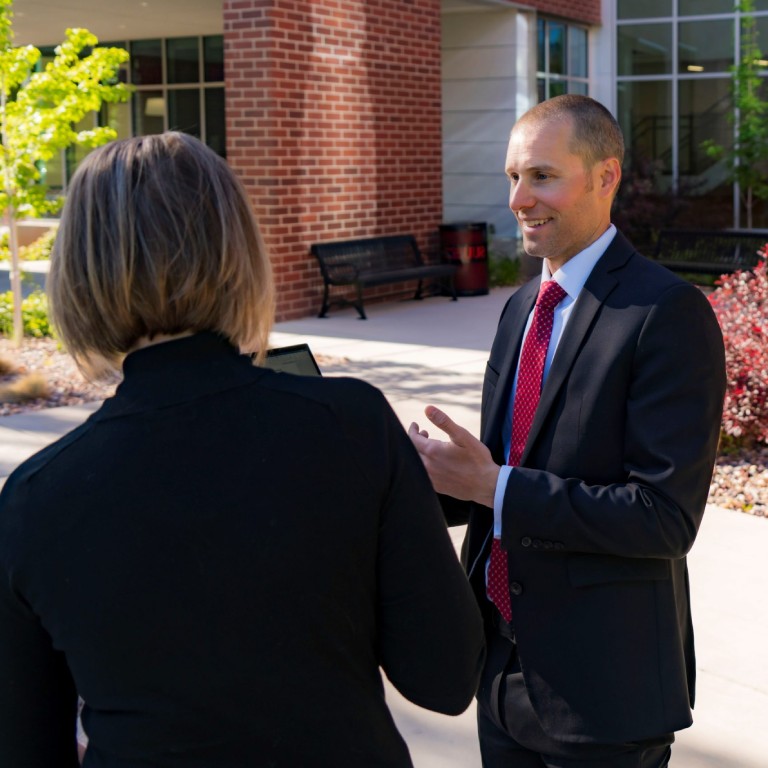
x=157 y=237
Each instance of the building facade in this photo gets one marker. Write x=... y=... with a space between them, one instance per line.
x=348 y=118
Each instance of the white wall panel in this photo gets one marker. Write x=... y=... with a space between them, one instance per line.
x=478 y=94
x=473 y=63
x=480 y=126
x=467 y=157
x=482 y=28
x=477 y=188
x=486 y=82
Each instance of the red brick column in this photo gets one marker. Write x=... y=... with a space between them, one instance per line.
x=334 y=125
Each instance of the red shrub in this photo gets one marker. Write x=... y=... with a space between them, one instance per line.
x=741 y=304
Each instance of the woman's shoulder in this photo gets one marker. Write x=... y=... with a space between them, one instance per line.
x=347 y=405
x=328 y=390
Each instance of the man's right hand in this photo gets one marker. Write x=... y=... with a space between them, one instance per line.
x=463 y=467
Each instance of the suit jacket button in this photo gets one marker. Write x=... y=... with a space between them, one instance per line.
x=526 y=541
x=559 y=545
x=548 y=545
x=537 y=543
x=516 y=588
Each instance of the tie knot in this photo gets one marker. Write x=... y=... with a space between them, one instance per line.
x=550 y=295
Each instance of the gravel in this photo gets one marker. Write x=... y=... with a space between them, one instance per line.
x=66 y=385
x=740 y=480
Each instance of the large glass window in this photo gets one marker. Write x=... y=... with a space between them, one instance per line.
x=117 y=117
x=704 y=107
x=645 y=112
x=184 y=111
x=674 y=83
x=146 y=62
x=214 y=119
x=178 y=85
x=148 y=112
x=189 y=97
x=183 y=56
x=561 y=58
x=705 y=46
x=645 y=49
x=213 y=58
x=761 y=22
x=643 y=9
x=703 y=7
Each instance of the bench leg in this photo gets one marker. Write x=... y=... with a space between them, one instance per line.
x=324 y=308
x=359 y=303
x=418 y=296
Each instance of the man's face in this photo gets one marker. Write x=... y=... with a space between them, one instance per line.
x=560 y=206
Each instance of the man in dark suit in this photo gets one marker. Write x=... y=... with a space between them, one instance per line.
x=593 y=516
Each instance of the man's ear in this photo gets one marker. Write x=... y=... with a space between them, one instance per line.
x=609 y=176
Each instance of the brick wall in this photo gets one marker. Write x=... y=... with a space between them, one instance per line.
x=585 y=11
x=334 y=125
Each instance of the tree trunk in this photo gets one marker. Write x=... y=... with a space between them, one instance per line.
x=13 y=244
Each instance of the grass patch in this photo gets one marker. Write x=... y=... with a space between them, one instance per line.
x=7 y=367
x=31 y=386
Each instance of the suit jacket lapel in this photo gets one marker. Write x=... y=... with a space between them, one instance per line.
x=509 y=334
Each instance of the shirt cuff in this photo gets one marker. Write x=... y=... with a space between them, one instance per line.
x=498 y=498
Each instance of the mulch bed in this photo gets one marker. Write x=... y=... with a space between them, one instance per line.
x=66 y=385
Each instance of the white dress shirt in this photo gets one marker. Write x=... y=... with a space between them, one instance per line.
x=571 y=277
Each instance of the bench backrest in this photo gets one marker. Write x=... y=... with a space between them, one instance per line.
x=730 y=249
x=370 y=254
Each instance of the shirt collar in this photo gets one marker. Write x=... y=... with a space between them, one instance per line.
x=574 y=273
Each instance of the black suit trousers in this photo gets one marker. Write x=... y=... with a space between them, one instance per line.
x=511 y=735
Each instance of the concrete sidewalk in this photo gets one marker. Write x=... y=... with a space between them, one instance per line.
x=435 y=351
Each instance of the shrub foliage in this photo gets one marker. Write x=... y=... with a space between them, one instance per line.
x=39 y=250
x=34 y=313
x=740 y=302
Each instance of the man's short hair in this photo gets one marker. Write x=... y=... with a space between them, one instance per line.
x=157 y=237
x=596 y=134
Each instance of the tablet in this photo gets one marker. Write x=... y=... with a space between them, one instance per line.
x=297 y=358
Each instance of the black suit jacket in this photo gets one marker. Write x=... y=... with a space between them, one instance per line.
x=607 y=500
x=220 y=560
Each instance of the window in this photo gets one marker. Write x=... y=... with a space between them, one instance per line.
x=643 y=9
x=179 y=85
x=561 y=59
x=705 y=46
x=645 y=49
x=674 y=93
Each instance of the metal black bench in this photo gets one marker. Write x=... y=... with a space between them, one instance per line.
x=375 y=261
x=709 y=251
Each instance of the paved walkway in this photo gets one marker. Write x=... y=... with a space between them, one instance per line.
x=435 y=351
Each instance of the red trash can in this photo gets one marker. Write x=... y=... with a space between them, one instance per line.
x=467 y=246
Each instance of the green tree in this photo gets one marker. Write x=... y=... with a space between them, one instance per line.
x=39 y=112
x=748 y=158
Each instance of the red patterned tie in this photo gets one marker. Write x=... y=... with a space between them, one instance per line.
x=529 y=380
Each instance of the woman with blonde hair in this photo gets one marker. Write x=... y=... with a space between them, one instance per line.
x=221 y=559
